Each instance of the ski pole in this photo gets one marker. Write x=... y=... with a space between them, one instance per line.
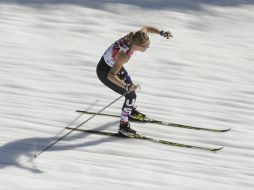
x=60 y=132
x=50 y=145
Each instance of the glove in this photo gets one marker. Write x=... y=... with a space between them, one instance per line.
x=166 y=34
x=131 y=87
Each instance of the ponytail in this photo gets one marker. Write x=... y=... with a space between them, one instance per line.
x=129 y=37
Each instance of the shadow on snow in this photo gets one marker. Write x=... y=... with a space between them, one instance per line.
x=12 y=152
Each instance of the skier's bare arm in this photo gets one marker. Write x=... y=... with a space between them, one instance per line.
x=150 y=29
x=112 y=75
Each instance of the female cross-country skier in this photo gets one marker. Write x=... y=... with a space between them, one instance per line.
x=111 y=72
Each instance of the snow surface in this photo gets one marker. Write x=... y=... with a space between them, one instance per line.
x=202 y=77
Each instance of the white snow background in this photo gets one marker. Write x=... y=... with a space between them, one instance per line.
x=203 y=77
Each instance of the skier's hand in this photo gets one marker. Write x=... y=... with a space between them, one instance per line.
x=131 y=87
x=166 y=34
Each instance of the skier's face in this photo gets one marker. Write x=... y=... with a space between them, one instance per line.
x=144 y=46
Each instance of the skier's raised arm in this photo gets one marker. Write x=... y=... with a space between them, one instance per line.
x=150 y=29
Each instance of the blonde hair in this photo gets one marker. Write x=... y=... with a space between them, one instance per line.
x=138 y=38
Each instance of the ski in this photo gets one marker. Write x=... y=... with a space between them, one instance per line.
x=142 y=137
x=150 y=120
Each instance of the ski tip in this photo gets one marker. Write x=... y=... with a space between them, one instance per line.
x=221 y=130
x=216 y=149
x=224 y=130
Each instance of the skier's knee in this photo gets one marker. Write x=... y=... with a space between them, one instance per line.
x=131 y=95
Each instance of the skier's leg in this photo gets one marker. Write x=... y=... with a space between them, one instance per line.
x=102 y=73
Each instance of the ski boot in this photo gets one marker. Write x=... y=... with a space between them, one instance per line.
x=126 y=130
x=136 y=115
